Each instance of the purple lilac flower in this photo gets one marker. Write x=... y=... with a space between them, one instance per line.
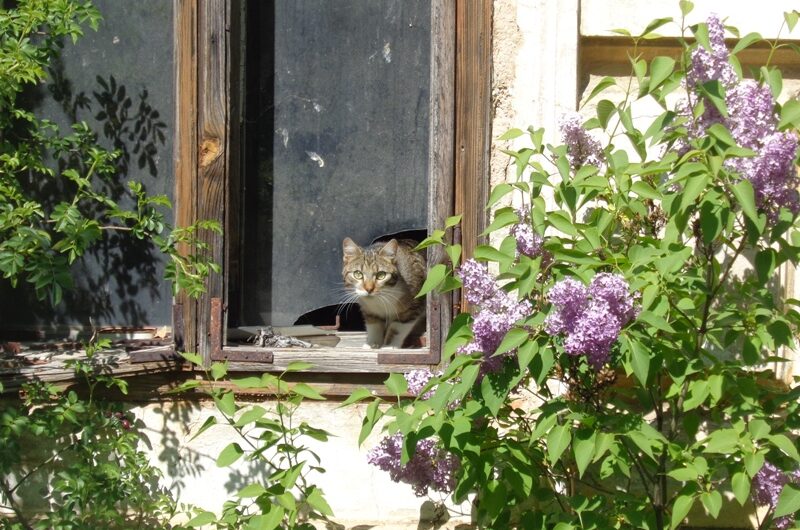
x=431 y=467
x=571 y=298
x=582 y=148
x=591 y=318
x=479 y=285
x=529 y=243
x=751 y=108
x=614 y=291
x=417 y=379
x=767 y=486
x=712 y=65
x=753 y=124
x=498 y=313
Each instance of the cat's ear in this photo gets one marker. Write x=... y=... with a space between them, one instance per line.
x=349 y=248
x=389 y=249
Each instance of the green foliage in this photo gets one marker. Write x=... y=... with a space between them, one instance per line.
x=80 y=455
x=687 y=409
x=272 y=443
x=41 y=239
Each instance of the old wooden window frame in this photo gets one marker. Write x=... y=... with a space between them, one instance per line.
x=208 y=127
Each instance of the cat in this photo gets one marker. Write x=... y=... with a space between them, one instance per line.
x=384 y=278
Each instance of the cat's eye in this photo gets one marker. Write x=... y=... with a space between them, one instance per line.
x=357 y=275
x=381 y=275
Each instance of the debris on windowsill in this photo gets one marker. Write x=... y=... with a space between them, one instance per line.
x=266 y=337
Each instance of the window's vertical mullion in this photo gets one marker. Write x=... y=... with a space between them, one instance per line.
x=441 y=153
x=185 y=152
x=213 y=159
x=473 y=116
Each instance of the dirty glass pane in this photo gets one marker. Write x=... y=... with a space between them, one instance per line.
x=336 y=108
x=120 y=81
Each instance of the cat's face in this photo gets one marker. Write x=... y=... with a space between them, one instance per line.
x=369 y=271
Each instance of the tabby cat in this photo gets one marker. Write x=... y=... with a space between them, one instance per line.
x=384 y=278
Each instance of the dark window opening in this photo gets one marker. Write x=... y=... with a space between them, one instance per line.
x=335 y=144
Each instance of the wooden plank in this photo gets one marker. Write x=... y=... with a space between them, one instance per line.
x=234 y=233
x=214 y=146
x=185 y=155
x=473 y=116
x=334 y=360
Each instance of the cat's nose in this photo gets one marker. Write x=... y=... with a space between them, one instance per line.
x=369 y=287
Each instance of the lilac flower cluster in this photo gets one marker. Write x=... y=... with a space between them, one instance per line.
x=417 y=379
x=529 y=243
x=498 y=313
x=582 y=148
x=767 y=486
x=712 y=65
x=752 y=122
x=591 y=318
x=431 y=467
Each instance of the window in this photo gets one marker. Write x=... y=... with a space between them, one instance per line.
x=304 y=139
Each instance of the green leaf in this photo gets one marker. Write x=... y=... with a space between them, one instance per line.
x=318 y=502
x=202 y=519
x=307 y=391
x=298 y=366
x=193 y=358
x=640 y=361
x=561 y=222
x=210 y=422
x=250 y=415
x=746 y=41
x=660 y=69
x=782 y=442
x=435 y=277
x=680 y=509
x=219 y=370
x=557 y=441
x=359 y=394
x=790 y=115
x=511 y=134
x=712 y=502
x=229 y=455
x=645 y=190
x=371 y=417
x=605 y=109
x=766 y=261
x=498 y=192
x=396 y=384
x=599 y=87
x=740 y=484
x=489 y=253
x=251 y=490
x=789 y=501
x=686 y=7
x=452 y=221
x=722 y=441
x=502 y=218
x=513 y=339
x=791 y=18
x=226 y=404
x=583 y=445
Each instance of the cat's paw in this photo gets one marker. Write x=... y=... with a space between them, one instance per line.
x=370 y=346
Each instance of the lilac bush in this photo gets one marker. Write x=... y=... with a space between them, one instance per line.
x=615 y=367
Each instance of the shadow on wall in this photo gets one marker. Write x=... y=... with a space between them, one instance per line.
x=120 y=276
